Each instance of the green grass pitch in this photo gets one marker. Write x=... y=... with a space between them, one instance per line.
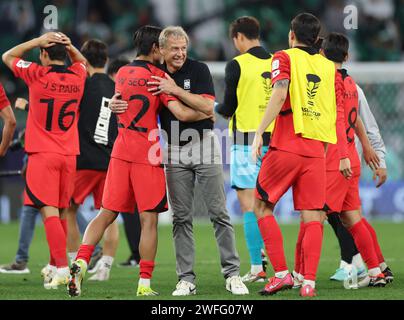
x=210 y=283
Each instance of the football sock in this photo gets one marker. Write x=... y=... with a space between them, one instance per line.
x=255 y=269
x=146 y=269
x=309 y=282
x=144 y=282
x=345 y=239
x=281 y=274
x=273 y=240
x=85 y=252
x=357 y=261
x=375 y=241
x=253 y=238
x=383 y=266
x=72 y=256
x=298 y=250
x=63 y=272
x=363 y=241
x=343 y=264
x=312 y=241
x=107 y=261
x=374 y=272
x=56 y=240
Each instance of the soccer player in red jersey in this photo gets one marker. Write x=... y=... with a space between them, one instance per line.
x=343 y=195
x=51 y=136
x=7 y=114
x=135 y=176
x=295 y=159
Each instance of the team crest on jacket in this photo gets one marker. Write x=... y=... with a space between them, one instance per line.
x=187 y=84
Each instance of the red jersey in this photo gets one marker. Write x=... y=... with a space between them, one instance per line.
x=283 y=136
x=55 y=92
x=351 y=107
x=137 y=126
x=3 y=98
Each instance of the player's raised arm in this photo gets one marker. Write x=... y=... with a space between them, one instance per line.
x=47 y=40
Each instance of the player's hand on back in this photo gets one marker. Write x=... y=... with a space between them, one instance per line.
x=380 y=173
x=21 y=103
x=165 y=85
x=345 y=168
x=117 y=105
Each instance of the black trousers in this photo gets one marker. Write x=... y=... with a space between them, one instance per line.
x=345 y=239
x=131 y=223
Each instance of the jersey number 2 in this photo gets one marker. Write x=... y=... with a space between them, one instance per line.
x=145 y=106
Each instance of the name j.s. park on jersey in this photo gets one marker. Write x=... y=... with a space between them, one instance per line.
x=62 y=88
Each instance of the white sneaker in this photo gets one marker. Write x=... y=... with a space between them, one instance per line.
x=297 y=280
x=47 y=274
x=236 y=286
x=184 y=288
x=102 y=274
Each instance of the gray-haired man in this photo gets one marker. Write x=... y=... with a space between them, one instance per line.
x=193 y=154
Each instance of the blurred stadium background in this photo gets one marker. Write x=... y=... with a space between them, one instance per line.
x=377 y=54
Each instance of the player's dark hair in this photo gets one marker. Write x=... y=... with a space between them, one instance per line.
x=56 y=52
x=144 y=38
x=96 y=53
x=306 y=28
x=116 y=64
x=248 y=26
x=336 y=47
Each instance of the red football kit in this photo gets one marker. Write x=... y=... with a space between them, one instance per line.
x=343 y=194
x=4 y=102
x=293 y=160
x=135 y=176
x=297 y=162
x=51 y=136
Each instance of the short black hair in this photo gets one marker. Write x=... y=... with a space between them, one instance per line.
x=56 y=52
x=336 y=46
x=306 y=28
x=144 y=38
x=116 y=64
x=96 y=52
x=248 y=26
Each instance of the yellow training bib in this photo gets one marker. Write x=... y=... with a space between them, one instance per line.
x=312 y=95
x=253 y=92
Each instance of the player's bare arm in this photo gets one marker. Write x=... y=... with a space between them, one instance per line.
x=195 y=101
x=47 y=40
x=370 y=155
x=278 y=98
x=186 y=114
x=8 y=118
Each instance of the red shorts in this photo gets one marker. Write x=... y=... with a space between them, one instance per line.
x=130 y=185
x=281 y=170
x=49 y=180
x=343 y=194
x=89 y=182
